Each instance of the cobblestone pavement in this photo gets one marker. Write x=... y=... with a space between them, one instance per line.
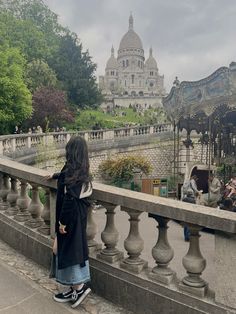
x=38 y=276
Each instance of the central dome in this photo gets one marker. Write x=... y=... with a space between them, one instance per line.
x=131 y=38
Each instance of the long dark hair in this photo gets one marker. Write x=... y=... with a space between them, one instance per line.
x=77 y=161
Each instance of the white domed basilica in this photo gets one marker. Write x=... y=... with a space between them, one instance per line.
x=128 y=79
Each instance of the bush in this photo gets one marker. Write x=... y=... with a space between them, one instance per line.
x=121 y=170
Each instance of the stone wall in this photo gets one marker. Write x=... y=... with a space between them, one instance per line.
x=159 y=155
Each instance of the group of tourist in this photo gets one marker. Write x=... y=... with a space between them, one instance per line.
x=217 y=192
x=219 y=195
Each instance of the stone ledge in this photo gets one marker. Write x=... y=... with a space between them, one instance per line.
x=134 y=292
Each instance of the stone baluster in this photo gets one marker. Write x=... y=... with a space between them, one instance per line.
x=12 y=198
x=1 y=187
x=133 y=244
x=45 y=228
x=110 y=237
x=1 y=147
x=23 y=203
x=194 y=263
x=91 y=231
x=4 y=191
x=13 y=144
x=52 y=201
x=162 y=253
x=35 y=209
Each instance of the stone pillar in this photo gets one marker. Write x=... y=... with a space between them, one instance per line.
x=4 y=191
x=13 y=144
x=194 y=264
x=68 y=136
x=28 y=142
x=12 y=198
x=162 y=253
x=35 y=209
x=45 y=228
x=133 y=244
x=23 y=203
x=131 y=133
x=52 y=201
x=49 y=139
x=86 y=136
x=1 y=187
x=92 y=231
x=110 y=237
x=1 y=148
x=225 y=279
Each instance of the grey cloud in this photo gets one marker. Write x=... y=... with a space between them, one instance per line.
x=190 y=38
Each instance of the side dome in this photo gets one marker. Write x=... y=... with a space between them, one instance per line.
x=151 y=62
x=112 y=62
x=131 y=38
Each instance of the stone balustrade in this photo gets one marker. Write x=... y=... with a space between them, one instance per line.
x=23 y=142
x=36 y=215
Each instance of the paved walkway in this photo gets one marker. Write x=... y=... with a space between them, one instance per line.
x=26 y=289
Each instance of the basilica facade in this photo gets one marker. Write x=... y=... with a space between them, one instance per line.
x=129 y=79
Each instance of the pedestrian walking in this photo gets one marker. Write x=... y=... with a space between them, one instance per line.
x=70 y=245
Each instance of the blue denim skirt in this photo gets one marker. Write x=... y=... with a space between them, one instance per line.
x=73 y=275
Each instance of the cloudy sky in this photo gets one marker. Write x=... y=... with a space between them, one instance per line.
x=190 y=38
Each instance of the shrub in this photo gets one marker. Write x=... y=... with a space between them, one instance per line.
x=121 y=170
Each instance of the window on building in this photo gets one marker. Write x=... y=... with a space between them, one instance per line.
x=112 y=86
x=132 y=78
x=123 y=63
x=125 y=82
x=151 y=73
x=127 y=63
x=112 y=73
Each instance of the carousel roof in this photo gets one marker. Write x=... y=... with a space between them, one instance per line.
x=192 y=104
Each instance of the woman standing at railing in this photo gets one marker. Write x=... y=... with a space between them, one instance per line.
x=70 y=246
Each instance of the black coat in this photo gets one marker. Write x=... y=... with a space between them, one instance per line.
x=72 y=212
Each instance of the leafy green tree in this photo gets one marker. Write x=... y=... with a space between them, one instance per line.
x=15 y=98
x=25 y=36
x=75 y=70
x=34 y=29
x=39 y=74
x=36 y=11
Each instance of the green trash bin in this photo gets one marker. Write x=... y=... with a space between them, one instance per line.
x=163 y=188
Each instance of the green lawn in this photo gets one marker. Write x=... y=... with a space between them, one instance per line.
x=89 y=119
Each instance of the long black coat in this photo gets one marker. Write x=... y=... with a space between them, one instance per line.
x=72 y=212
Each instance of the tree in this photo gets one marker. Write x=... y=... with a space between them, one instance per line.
x=36 y=11
x=25 y=36
x=15 y=98
x=75 y=70
x=39 y=74
x=45 y=22
x=33 y=28
x=50 y=108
